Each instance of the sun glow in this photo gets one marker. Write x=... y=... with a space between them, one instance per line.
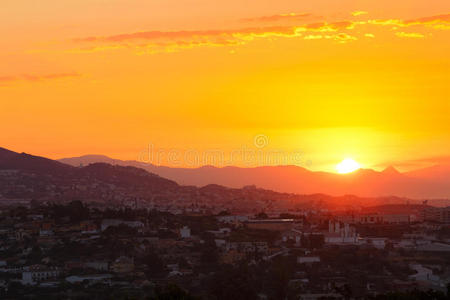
x=348 y=165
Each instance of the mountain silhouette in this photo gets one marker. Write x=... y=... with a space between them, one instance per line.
x=433 y=182
x=40 y=174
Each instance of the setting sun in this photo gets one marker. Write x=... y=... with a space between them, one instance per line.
x=347 y=165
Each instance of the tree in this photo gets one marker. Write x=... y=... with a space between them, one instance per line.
x=155 y=265
x=280 y=272
x=171 y=292
x=234 y=283
x=316 y=241
x=262 y=215
x=35 y=255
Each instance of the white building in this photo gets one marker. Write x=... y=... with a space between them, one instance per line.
x=185 y=232
x=378 y=243
x=232 y=219
x=97 y=265
x=44 y=232
x=90 y=278
x=292 y=235
x=220 y=243
x=338 y=234
x=38 y=273
x=308 y=259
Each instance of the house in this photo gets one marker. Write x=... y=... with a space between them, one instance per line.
x=309 y=260
x=90 y=278
x=232 y=256
x=340 y=234
x=37 y=273
x=222 y=232
x=232 y=219
x=434 y=247
x=88 y=227
x=45 y=232
x=97 y=265
x=123 y=264
x=378 y=243
x=436 y=214
x=220 y=243
x=423 y=274
x=293 y=235
x=320 y=296
x=185 y=232
x=260 y=248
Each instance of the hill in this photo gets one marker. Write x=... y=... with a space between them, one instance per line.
x=25 y=176
x=28 y=177
x=428 y=183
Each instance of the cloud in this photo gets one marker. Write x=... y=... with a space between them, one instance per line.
x=359 y=13
x=280 y=17
x=34 y=77
x=430 y=20
x=418 y=163
x=222 y=36
x=445 y=159
x=7 y=78
x=437 y=22
x=409 y=35
x=313 y=37
x=393 y=22
x=96 y=49
x=344 y=37
x=341 y=37
x=324 y=27
x=170 y=41
x=49 y=76
x=196 y=34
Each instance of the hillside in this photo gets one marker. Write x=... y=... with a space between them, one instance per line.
x=23 y=176
x=428 y=183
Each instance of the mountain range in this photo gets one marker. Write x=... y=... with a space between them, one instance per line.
x=114 y=182
x=428 y=183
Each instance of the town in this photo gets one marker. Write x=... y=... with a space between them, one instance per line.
x=78 y=250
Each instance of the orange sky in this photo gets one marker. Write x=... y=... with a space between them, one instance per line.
x=321 y=80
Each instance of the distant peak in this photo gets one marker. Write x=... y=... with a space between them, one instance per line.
x=94 y=156
x=390 y=170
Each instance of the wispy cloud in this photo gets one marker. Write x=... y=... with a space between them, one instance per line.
x=340 y=37
x=171 y=41
x=196 y=34
x=410 y=35
x=280 y=17
x=222 y=36
x=430 y=20
x=359 y=13
x=418 y=163
x=37 y=77
x=436 y=22
x=7 y=78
